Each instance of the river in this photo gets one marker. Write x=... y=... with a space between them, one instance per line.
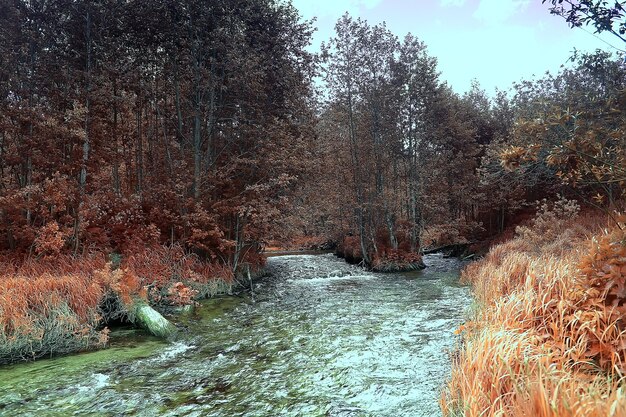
x=316 y=338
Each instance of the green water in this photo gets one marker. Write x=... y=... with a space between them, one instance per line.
x=317 y=338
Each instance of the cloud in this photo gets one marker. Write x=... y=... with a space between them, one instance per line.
x=498 y=11
x=333 y=8
x=457 y=3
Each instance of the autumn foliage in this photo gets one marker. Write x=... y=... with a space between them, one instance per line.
x=150 y=150
x=547 y=336
x=115 y=139
x=145 y=149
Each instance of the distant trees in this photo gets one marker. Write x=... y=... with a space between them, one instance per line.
x=360 y=79
x=417 y=86
x=418 y=161
x=409 y=146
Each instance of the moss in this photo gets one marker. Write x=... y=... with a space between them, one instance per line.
x=21 y=379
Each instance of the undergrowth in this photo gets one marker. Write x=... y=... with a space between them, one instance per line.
x=383 y=256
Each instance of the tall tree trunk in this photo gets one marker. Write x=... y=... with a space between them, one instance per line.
x=359 y=211
x=197 y=155
x=179 y=112
x=82 y=181
x=139 y=149
x=197 y=124
x=116 y=156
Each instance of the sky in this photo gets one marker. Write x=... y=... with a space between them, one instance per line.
x=496 y=42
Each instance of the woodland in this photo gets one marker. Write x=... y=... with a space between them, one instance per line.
x=151 y=152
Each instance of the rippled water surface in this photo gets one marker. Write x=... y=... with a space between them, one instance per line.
x=317 y=338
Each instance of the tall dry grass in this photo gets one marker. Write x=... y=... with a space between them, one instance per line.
x=172 y=276
x=57 y=305
x=548 y=337
x=50 y=306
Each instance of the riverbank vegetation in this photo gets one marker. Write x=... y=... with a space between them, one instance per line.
x=146 y=148
x=61 y=304
x=546 y=337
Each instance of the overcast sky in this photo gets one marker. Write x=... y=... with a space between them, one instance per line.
x=495 y=41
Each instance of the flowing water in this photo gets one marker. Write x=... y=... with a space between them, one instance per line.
x=317 y=338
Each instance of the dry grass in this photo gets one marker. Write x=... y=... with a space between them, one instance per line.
x=162 y=269
x=50 y=306
x=548 y=337
x=55 y=305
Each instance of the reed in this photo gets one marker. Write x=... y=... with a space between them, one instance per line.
x=57 y=305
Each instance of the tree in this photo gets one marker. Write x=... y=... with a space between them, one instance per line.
x=571 y=127
x=407 y=137
x=418 y=90
x=346 y=58
x=152 y=122
x=603 y=15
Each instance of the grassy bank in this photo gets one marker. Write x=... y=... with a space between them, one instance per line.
x=62 y=304
x=547 y=336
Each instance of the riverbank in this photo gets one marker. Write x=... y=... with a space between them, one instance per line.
x=317 y=337
x=546 y=337
x=63 y=304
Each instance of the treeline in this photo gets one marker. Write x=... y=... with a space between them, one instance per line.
x=399 y=149
x=126 y=124
x=134 y=123
x=406 y=163
x=569 y=130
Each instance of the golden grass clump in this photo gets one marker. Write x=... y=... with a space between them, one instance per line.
x=172 y=276
x=49 y=307
x=547 y=338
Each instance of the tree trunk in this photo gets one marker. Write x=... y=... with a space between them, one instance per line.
x=151 y=320
x=82 y=180
x=116 y=157
x=139 y=150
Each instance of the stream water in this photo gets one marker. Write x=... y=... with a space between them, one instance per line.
x=317 y=338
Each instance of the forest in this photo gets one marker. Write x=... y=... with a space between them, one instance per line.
x=153 y=152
